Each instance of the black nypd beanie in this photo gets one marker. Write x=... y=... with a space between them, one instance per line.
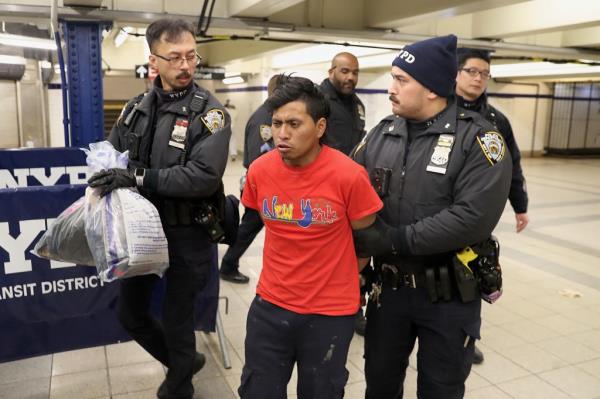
x=431 y=62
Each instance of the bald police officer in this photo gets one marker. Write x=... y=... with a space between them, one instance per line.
x=443 y=174
x=346 y=124
x=177 y=136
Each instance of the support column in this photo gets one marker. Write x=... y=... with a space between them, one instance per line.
x=84 y=71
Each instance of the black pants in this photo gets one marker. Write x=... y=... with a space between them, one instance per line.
x=277 y=338
x=172 y=341
x=250 y=226
x=446 y=332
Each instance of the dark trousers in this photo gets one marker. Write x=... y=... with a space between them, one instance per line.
x=250 y=226
x=446 y=332
x=172 y=340
x=277 y=338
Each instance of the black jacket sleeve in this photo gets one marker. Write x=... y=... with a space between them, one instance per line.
x=479 y=196
x=253 y=140
x=518 y=193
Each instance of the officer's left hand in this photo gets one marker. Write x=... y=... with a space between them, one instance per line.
x=110 y=179
x=522 y=221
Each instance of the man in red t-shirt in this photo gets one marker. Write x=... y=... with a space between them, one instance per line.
x=310 y=197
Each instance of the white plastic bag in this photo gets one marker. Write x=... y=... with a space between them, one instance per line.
x=123 y=229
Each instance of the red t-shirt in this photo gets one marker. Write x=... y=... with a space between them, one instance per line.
x=309 y=262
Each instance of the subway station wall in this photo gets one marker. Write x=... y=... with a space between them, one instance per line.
x=530 y=122
x=523 y=104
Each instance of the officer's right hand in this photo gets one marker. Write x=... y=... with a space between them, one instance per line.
x=111 y=179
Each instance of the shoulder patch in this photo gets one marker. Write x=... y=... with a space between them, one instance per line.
x=493 y=146
x=214 y=120
x=361 y=111
x=265 y=132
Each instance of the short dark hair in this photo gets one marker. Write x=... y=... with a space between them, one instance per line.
x=296 y=88
x=274 y=83
x=464 y=54
x=171 y=27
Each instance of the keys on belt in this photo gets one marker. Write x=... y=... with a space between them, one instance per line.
x=389 y=275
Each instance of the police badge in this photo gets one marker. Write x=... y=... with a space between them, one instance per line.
x=214 y=120
x=441 y=154
x=265 y=133
x=179 y=133
x=492 y=144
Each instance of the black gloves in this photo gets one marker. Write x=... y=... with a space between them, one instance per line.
x=380 y=239
x=110 y=179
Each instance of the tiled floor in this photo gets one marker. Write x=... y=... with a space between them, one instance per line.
x=541 y=340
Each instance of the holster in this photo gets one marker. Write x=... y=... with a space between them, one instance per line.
x=466 y=280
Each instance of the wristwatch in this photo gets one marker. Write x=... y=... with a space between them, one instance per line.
x=139 y=176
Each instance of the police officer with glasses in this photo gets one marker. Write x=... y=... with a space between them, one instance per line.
x=177 y=136
x=471 y=85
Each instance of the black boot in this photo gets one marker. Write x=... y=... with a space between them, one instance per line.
x=477 y=356
x=199 y=361
x=235 y=277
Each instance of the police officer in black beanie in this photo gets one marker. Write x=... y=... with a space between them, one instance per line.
x=443 y=174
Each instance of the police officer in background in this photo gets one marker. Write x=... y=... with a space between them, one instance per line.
x=471 y=83
x=258 y=140
x=177 y=136
x=444 y=175
x=346 y=125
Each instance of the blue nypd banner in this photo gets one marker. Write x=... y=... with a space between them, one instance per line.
x=42 y=167
x=49 y=306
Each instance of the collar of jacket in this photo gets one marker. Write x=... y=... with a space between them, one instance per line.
x=444 y=123
x=478 y=105
x=179 y=107
x=331 y=93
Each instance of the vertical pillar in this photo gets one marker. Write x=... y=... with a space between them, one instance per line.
x=84 y=71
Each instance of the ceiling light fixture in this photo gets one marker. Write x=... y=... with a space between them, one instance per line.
x=122 y=35
x=9 y=39
x=233 y=80
x=12 y=60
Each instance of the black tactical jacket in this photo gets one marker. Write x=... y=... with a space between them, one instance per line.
x=518 y=190
x=439 y=212
x=344 y=129
x=159 y=151
x=257 y=130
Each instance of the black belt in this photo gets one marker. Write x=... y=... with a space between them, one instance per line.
x=392 y=276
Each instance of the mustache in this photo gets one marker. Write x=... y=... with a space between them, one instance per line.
x=183 y=75
x=392 y=99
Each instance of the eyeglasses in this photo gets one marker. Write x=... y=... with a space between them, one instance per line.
x=178 y=60
x=473 y=72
